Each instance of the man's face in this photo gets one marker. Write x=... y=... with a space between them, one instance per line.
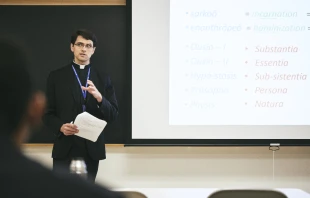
x=82 y=49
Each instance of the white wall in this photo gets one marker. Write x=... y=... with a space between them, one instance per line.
x=188 y=167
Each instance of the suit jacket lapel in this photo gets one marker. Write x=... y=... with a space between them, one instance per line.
x=93 y=78
x=73 y=86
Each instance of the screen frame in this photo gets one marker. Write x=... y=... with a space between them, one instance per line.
x=129 y=141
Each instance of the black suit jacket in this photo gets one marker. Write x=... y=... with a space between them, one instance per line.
x=22 y=177
x=65 y=98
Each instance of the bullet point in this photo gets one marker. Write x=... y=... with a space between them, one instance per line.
x=246 y=62
x=248 y=28
x=245 y=75
x=246 y=48
x=247 y=14
x=186 y=12
x=245 y=103
x=246 y=89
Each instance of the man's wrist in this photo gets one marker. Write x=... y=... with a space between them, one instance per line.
x=99 y=99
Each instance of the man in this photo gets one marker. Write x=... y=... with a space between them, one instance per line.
x=22 y=109
x=71 y=90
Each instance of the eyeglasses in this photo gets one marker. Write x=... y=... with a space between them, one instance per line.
x=82 y=45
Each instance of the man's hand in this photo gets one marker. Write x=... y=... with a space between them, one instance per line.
x=69 y=129
x=93 y=91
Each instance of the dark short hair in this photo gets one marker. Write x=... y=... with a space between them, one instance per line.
x=86 y=34
x=16 y=86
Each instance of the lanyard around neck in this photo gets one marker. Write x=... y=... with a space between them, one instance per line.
x=84 y=92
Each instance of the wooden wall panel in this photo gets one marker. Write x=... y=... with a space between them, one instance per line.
x=62 y=2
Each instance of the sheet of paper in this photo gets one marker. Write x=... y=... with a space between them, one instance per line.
x=89 y=126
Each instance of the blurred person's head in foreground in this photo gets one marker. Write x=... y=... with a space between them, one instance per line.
x=21 y=106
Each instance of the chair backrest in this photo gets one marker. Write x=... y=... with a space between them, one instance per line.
x=133 y=194
x=247 y=193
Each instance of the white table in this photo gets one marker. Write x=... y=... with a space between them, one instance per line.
x=202 y=192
